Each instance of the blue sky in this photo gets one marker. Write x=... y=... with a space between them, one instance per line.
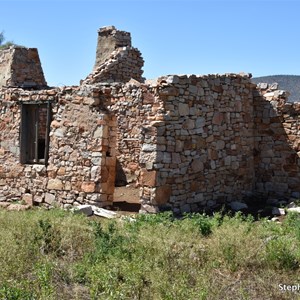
x=175 y=36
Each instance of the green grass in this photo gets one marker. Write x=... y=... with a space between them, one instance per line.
x=58 y=255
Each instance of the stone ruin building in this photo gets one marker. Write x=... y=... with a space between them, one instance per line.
x=188 y=142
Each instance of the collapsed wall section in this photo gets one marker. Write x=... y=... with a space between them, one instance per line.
x=277 y=144
x=21 y=67
x=81 y=163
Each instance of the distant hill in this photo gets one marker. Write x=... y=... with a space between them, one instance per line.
x=289 y=83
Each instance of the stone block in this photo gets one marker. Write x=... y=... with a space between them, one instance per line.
x=146 y=208
x=49 y=198
x=236 y=206
x=54 y=184
x=84 y=209
x=148 y=147
x=28 y=199
x=188 y=124
x=39 y=168
x=183 y=109
x=148 y=98
x=197 y=165
x=220 y=145
x=176 y=158
x=38 y=198
x=148 y=178
x=294 y=209
x=88 y=187
x=162 y=194
x=217 y=118
x=61 y=171
x=172 y=79
x=278 y=211
x=169 y=91
x=95 y=172
x=101 y=132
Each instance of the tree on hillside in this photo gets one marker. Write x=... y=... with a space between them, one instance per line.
x=2 y=39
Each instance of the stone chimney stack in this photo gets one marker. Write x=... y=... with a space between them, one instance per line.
x=116 y=59
x=21 y=67
x=109 y=39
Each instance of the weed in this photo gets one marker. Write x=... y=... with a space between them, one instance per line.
x=281 y=255
x=48 y=238
x=43 y=272
x=201 y=221
x=292 y=225
x=229 y=250
x=15 y=292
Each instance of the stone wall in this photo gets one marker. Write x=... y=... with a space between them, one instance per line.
x=109 y=39
x=201 y=146
x=277 y=143
x=81 y=165
x=134 y=106
x=189 y=142
x=116 y=60
x=21 y=67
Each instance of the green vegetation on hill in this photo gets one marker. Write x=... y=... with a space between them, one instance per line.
x=6 y=44
x=58 y=255
x=290 y=83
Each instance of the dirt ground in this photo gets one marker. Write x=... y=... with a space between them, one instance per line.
x=126 y=199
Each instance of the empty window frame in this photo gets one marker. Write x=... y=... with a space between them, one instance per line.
x=34 y=132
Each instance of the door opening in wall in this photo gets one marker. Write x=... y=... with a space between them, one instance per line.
x=126 y=195
x=34 y=132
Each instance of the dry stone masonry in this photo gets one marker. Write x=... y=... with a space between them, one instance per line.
x=187 y=142
x=116 y=60
x=21 y=67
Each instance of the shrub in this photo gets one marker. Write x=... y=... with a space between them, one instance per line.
x=202 y=222
x=280 y=254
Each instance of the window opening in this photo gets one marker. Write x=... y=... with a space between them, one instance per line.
x=34 y=133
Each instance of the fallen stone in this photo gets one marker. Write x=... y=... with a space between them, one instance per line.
x=278 y=211
x=18 y=207
x=4 y=204
x=146 y=208
x=105 y=213
x=275 y=219
x=291 y=204
x=236 y=206
x=84 y=209
x=294 y=209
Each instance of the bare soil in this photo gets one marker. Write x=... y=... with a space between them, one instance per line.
x=127 y=199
